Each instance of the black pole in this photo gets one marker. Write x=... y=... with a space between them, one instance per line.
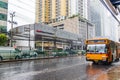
x=29 y=38
x=87 y=30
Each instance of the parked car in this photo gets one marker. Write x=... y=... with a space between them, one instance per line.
x=39 y=51
x=7 y=53
x=28 y=53
x=70 y=51
x=61 y=54
x=81 y=52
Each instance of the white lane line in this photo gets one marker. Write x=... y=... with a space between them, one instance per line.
x=32 y=73
x=42 y=63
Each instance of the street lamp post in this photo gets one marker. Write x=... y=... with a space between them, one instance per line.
x=55 y=36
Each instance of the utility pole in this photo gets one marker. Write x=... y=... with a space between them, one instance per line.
x=12 y=15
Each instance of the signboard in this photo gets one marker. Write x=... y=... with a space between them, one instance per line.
x=26 y=29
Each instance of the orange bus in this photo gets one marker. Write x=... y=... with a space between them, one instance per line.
x=102 y=50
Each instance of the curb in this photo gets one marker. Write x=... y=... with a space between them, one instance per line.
x=35 y=59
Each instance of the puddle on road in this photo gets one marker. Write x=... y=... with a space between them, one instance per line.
x=112 y=74
x=98 y=72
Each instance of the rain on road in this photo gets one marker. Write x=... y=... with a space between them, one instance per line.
x=70 y=68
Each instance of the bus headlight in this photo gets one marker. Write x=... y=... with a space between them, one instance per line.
x=104 y=58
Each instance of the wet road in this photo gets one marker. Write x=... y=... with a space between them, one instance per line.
x=72 y=68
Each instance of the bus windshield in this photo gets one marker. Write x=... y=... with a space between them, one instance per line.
x=96 y=48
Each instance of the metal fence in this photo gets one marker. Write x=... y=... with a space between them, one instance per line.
x=9 y=55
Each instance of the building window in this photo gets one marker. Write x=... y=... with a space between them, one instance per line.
x=3 y=5
x=3 y=29
x=3 y=17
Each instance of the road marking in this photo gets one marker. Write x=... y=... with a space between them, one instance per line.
x=32 y=73
x=42 y=63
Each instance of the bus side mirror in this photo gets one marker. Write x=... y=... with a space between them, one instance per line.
x=106 y=50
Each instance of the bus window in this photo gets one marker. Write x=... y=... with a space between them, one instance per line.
x=97 y=48
x=100 y=48
x=90 y=48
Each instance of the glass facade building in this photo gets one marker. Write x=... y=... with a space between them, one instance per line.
x=3 y=15
x=105 y=24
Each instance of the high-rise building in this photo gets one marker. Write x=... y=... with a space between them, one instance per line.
x=105 y=24
x=48 y=11
x=51 y=10
x=3 y=15
x=94 y=15
x=81 y=7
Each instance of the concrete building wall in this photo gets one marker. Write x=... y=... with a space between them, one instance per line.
x=53 y=16
x=78 y=7
x=48 y=34
x=73 y=7
x=37 y=14
x=57 y=10
x=69 y=25
x=84 y=29
x=85 y=9
x=63 y=7
x=43 y=9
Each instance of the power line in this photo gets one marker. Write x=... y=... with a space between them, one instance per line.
x=21 y=7
x=24 y=18
x=21 y=16
x=25 y=3
x=18 y=13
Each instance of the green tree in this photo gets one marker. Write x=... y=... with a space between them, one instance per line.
x=3 y=39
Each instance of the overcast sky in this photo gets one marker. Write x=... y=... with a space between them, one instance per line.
x=24 y=11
